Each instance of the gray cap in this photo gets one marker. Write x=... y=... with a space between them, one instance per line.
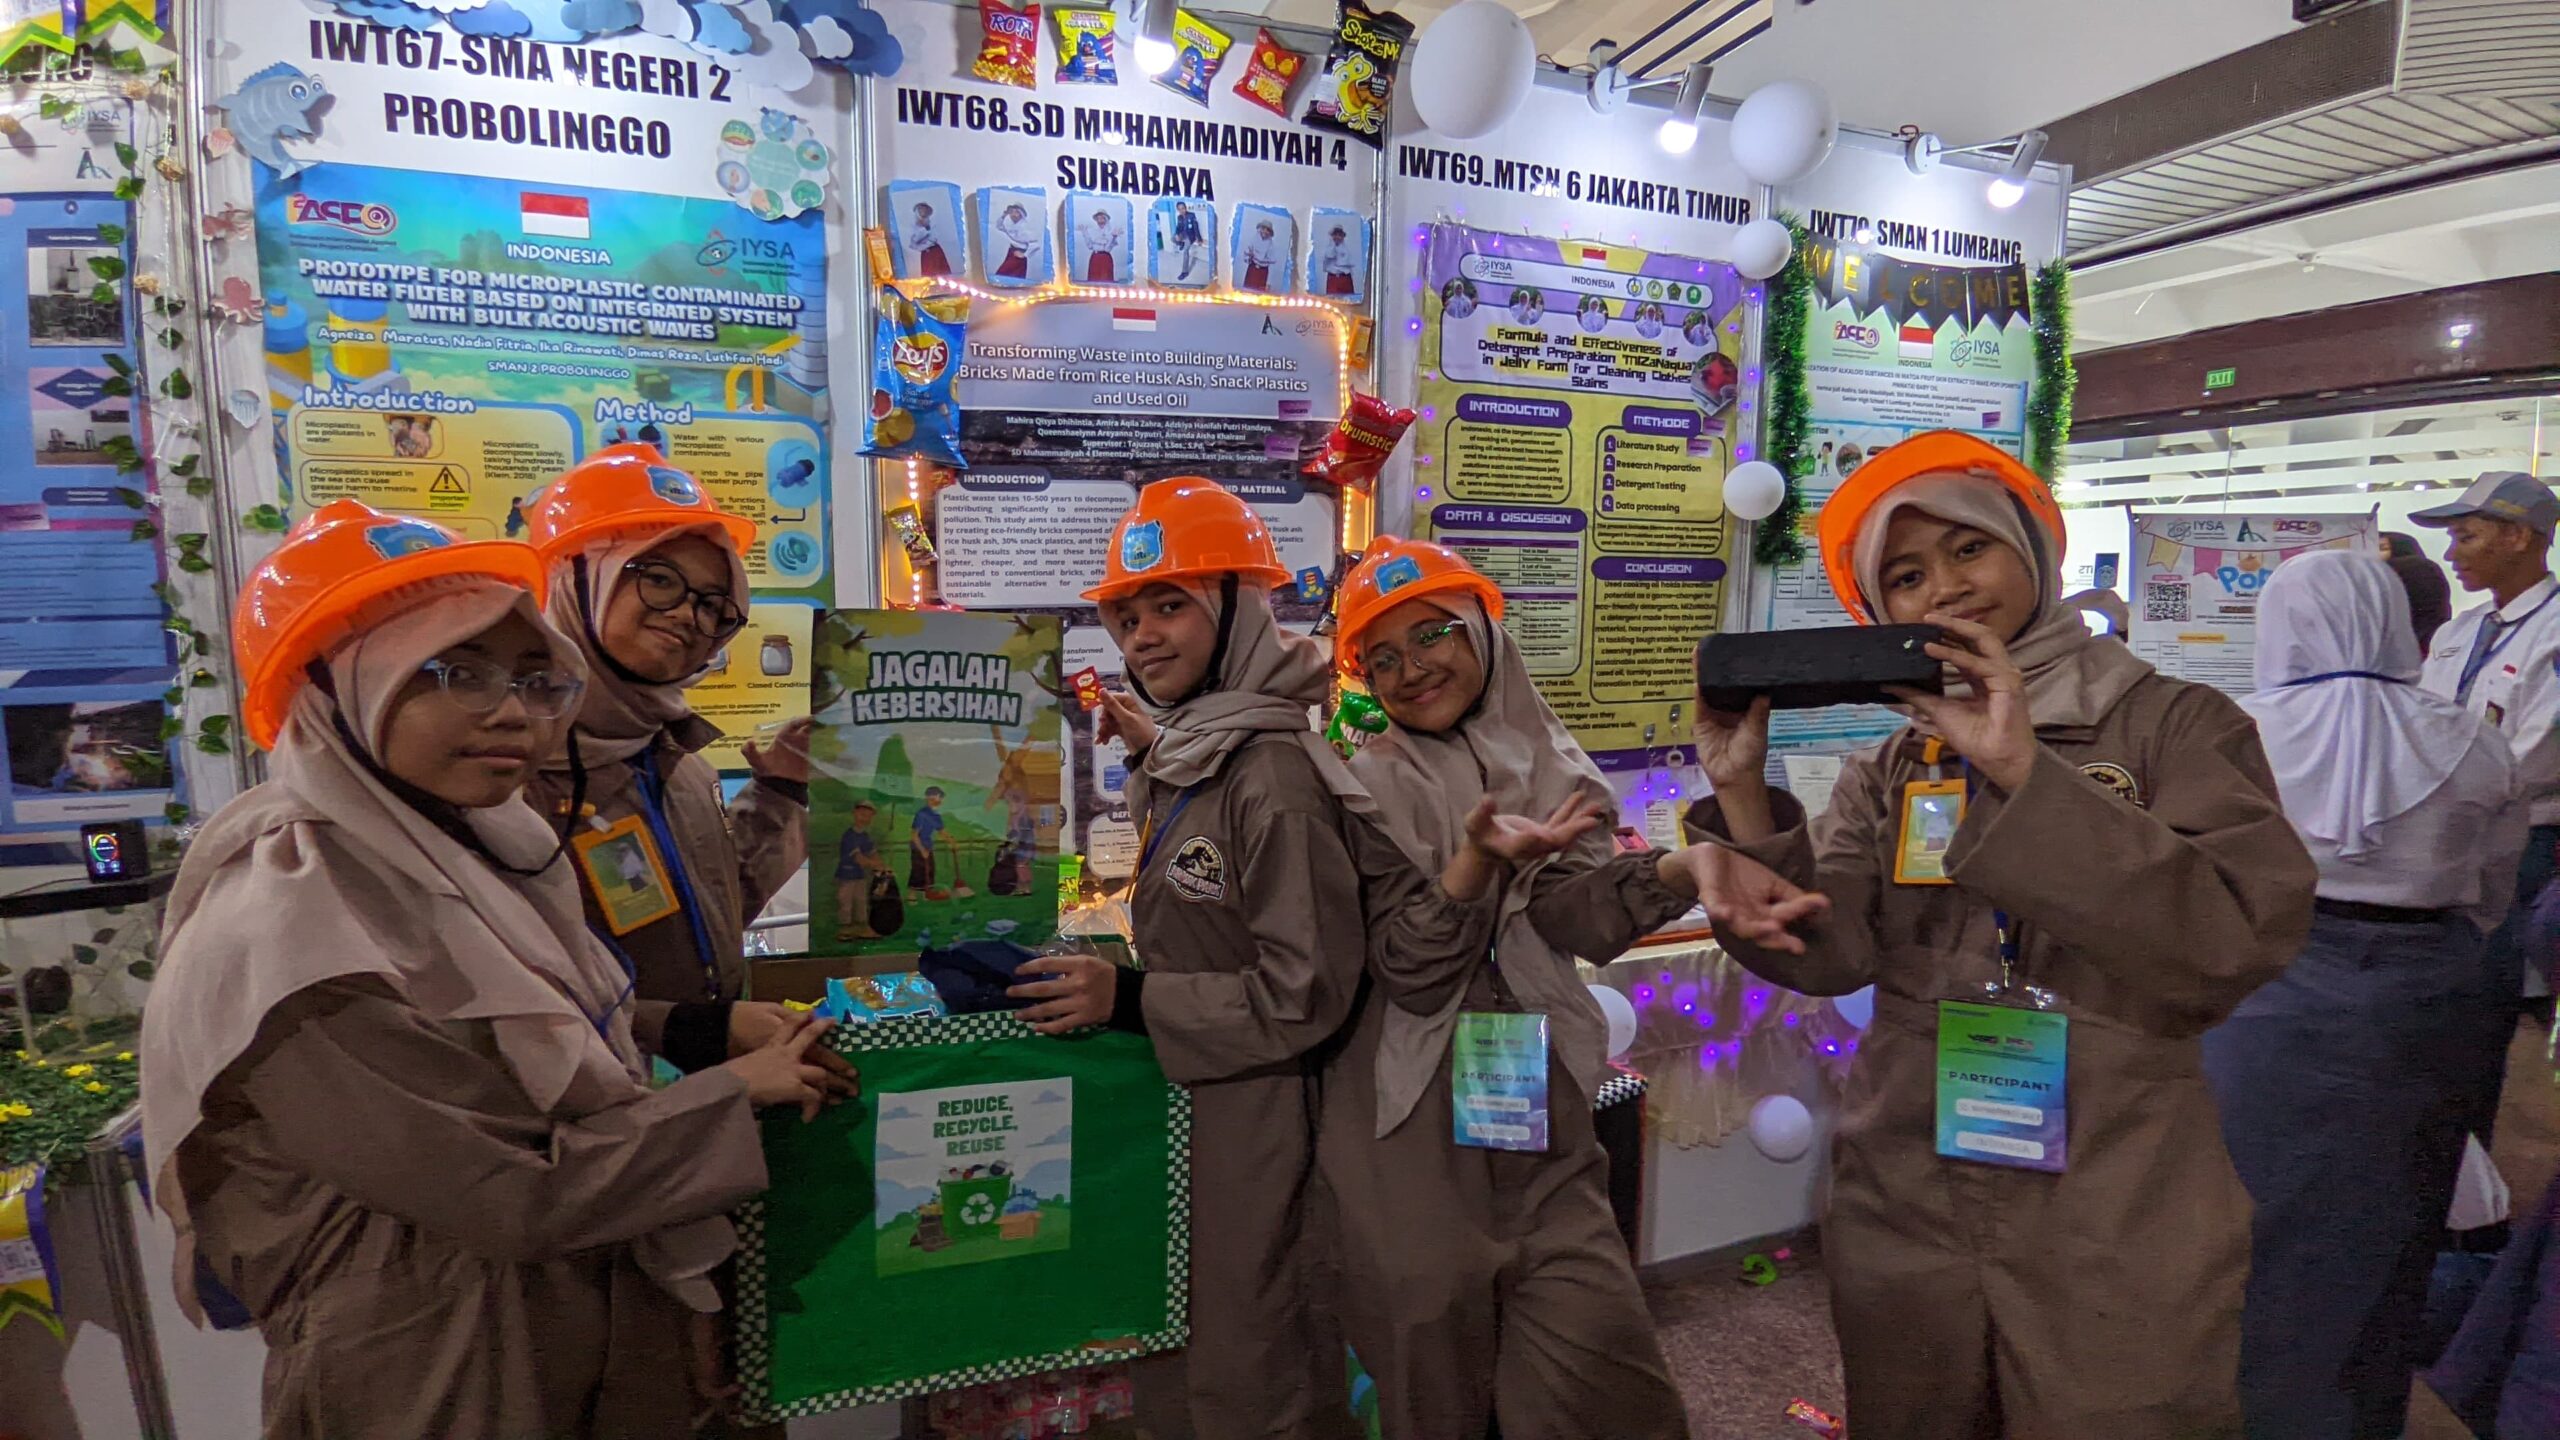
x=2509 y=495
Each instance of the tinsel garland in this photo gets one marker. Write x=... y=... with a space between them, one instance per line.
x=1788 y=401
x=2049 y=403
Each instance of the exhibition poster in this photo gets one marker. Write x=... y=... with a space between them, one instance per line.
x=1579 y=408
x=2197 y=579
x=1894 y=348
x=1020 y=1203
x=85 y=659
x=759 y=680
x=443 y=344
x=936 y=802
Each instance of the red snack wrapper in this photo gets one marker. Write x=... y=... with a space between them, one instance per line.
x=1010 y=53
x=1088 y=683
x=1269 y=73
x=1825 y=1425
x=1361 y=442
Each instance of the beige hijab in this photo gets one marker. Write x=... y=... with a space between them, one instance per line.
x=1265 y=685
x=297 y=856
x=619 y=716
x=2073 y=678
x=1512 y=747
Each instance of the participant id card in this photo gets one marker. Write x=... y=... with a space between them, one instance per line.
x=2000 y=1085
x=1498 y=1080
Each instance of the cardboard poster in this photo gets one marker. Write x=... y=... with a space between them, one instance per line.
x=973 y=1173
x=937 y=798
x=1579 y=410
x=2196 y=584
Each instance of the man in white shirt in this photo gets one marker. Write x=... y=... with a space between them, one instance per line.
x=2498 y=661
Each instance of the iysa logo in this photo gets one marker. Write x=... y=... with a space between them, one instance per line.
x=1862 y=337
x=718 y=250
x=1984 y=353
x=922 y=358
x=362 y=217
x=1142 y=546
x=395 y=538
x=674 y=486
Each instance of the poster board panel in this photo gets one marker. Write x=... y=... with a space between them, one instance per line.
x=2197 y=579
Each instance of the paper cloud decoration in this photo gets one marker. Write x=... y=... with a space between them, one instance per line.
x=497 y=17
x=601 y=17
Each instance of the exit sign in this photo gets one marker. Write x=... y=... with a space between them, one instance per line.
x=2222 y=379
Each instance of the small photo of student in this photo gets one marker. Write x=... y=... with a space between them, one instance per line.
x=1013 y=228
x=928 y=227
x=1338 y=256
x=1179 y=251
x=1265 y=243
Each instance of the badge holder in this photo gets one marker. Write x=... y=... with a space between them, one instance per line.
x=1498 y=1075
x=627 y=874
x=2002 y=1067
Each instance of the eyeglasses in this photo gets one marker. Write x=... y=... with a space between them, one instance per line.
x=1382 y=664
x=663 y=588
x=481 y=688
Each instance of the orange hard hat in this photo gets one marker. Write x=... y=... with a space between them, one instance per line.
x=1393 y=571
x=311 y=594
x=1185 y=528
x=615 y=491
x=1932 y=453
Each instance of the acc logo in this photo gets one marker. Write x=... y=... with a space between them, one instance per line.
x=1142 y=546
x=2297 y=527
x=1197 y=872
x=921 y=360
x=1864 y=337
x=396 y=538
x=362 y=217
x=674 y=486
x=1397 y=574
x=2117 y=779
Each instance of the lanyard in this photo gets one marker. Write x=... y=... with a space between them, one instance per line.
x=2008 y=988
x=653 y=809
x=1156 y=831
x=2344 y=675
x=2495 y=642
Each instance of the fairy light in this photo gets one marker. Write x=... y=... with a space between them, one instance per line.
x=915 y=497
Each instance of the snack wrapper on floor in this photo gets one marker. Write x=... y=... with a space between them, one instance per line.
x=1829 y=1427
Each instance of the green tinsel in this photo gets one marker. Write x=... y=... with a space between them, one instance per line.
x=2049 y=402
x=1787 y=401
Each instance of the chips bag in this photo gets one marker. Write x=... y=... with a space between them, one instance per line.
x=907 y=523
x=1198 y=52
x=1010 y=53
x=1087 y=50
x=29 y=1282
x=1358 y=86
x=1270 y=72
x=916 y=346
x=1361 y=442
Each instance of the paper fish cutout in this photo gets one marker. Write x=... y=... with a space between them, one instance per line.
x=269 y=108
x=235 y=222
x=240 y=302
x=219 y=141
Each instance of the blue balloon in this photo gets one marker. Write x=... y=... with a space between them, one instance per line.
x=1858 y=1007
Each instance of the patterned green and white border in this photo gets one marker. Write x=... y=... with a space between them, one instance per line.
x=755 y=1313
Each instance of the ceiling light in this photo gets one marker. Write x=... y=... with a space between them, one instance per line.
x=1155 y=37
x=1680 y=131
x=2011 y=186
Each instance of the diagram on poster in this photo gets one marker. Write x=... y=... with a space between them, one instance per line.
x=1580 y=415
x=973 y=1173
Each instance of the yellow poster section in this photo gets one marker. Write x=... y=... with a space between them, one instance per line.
x=759 y=682
x=473 y=472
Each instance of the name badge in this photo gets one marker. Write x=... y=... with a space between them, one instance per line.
x=1931 y=811
x=1498 y=1080
x=627 y=873
x=2498 y=692
x=2000 y=1085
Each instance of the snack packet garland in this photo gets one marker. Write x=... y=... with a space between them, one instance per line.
x=1009 y=53
x=1358 y=86
x=916 y=347
x=1199 y=49
x=1087 y=47
x=1268 y=74
x=1361 y=442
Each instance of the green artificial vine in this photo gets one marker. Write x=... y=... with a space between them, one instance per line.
x=1787 y=400
x=2049 y=403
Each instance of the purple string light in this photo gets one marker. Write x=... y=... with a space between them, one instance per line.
x=1423 y=492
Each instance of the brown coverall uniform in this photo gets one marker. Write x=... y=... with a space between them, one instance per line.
x=2153 y=882
x=1485 y=1280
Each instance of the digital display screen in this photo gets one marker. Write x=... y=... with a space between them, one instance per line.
x=114 y=852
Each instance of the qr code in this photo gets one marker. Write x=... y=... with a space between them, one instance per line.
x=2164 y=601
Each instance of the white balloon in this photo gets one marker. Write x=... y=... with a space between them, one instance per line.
x=1621 y=1013
x=1781 y=1127
x=1783 y=131
x=1471 y=68
x=1858 y=1007
x=1761 y=248
x=1754 y=489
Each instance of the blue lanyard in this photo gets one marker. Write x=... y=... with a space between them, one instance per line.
x=2343 y=675
x=2482 y=654
x=653 y=809
x=1157 y=831
x=2007 y=933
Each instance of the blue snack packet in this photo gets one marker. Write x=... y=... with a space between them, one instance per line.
x=916 y=348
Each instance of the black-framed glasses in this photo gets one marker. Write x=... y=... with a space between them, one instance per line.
x=480 y=688
x=663 y=588
x=1383 y=662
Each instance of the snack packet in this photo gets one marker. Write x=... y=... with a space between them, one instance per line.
x=907 y=523
x=1268 y=74
x=1820 y=1423
x=1088 y=683
x=916 y=345
x=1010 y=52
x=1361 y=442
x=29 y=1281
x=866 y=998
x=1358 y=86
x=1198 y=51
x=1087 y=48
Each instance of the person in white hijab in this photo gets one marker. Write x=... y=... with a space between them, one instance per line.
x=2340 y=1084
x=392 y=1097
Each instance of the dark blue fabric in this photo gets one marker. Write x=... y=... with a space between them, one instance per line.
x=2501 y=1374
x=2342 y=1087
x=2505 y=954
x=973 y=977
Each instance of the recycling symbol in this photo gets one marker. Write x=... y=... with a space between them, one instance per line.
x=977 y=1210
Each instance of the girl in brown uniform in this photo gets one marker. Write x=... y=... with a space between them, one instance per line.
x=391 y=1092
x=2041 y=1236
